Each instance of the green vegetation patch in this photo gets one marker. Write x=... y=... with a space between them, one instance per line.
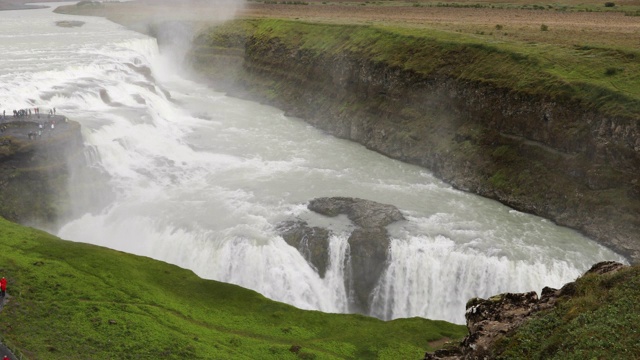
x=81 y=301
x=605 y=79
x=601 y=322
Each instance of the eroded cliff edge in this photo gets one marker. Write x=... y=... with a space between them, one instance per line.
x=35 y=169
x=535 y=148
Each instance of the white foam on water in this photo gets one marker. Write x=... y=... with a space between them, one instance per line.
x=202 y=180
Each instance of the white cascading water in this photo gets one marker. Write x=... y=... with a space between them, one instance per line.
x=202 y=180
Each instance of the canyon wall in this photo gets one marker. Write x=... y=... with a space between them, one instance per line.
x=34 y=170
x=536 y=151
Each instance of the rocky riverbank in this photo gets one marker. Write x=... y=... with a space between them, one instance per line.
x=544 y=154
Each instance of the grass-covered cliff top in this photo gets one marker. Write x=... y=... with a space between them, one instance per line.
x=601 y=321
x=585 y=52
x=604 y=79
x=77 y=301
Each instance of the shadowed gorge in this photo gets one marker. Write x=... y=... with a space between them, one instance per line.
x=544 y=148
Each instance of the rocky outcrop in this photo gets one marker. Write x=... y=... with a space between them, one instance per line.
x=34 y=171
x=311 y=242
x=368 y=243
x=545 y=154
x=368 y=250
x=490 y=320
x=364 y=213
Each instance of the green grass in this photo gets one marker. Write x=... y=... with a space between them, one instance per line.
x=601 y=322
x=82 y=301
x=581 y=74
x=602 y=74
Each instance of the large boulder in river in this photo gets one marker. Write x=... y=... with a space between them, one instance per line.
x=368 y=252
x=364 y=213
x=311 y=242
x=368 y=243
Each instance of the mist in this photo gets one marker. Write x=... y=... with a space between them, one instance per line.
x=190 y=176
x=175 y=23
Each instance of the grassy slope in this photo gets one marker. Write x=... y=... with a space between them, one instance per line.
x=601 y=322
x=81 y=301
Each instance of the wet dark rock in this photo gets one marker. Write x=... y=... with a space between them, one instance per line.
x=364 y=213
x=605 y=267
x=311 y=242
x=369 y=248
x=104 y=96
x=70 y=23
x=368 y=243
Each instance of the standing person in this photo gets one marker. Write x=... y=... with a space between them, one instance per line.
x=3 y=287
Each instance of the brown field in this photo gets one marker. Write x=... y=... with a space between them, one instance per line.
x=567 y=23
x=564 y=27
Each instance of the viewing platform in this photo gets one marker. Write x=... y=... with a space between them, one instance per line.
x=32 y=127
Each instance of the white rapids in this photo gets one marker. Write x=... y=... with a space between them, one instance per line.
x=201 y=180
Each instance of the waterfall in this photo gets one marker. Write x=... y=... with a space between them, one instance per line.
x=193 y=177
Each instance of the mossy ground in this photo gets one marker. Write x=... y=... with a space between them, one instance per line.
x=604 y=79
x=77 y=301
x=601 y=322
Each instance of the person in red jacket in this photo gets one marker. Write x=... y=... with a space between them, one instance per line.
x=3 y=286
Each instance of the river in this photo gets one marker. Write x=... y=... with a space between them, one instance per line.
x=201 y=180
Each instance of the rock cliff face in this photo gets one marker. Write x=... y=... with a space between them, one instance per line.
x=552 y=157
x=34 y=172
x=368 y=243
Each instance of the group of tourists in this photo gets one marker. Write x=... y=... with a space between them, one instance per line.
x=28 y=112
x=36 y=134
